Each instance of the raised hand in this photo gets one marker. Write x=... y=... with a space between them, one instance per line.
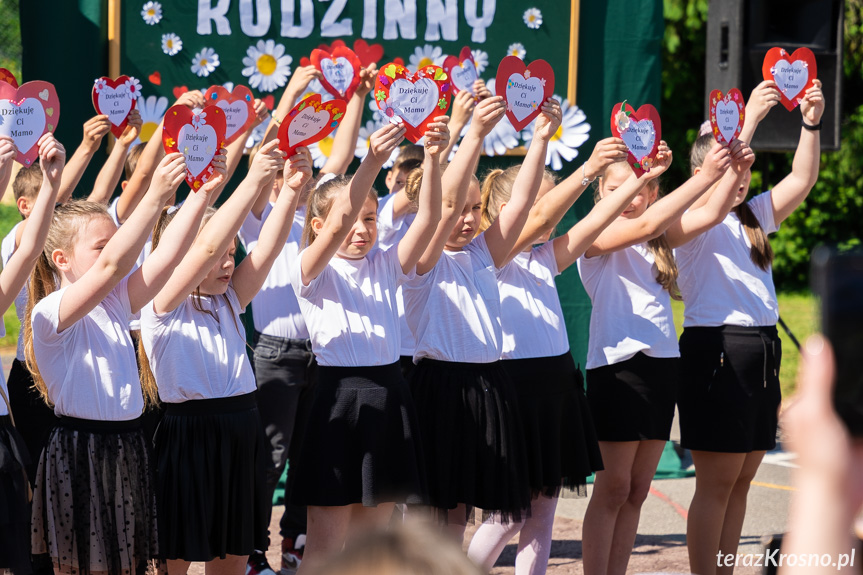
x=384 y=141
x=482 y=91
x=662 y=163
x=133 y=128
x=549 y=119
x=298 y=169
x=437 y=137
x=717 y=162
x=268 y=161
x=170 y=172
x=52 y=158
x=220 y=171
x=605 y=153
x=487 y=114
x=94 y=130
x=764 y=96
x=191 y=99
x=742 y=156
x=812 y=104
x=367 y=79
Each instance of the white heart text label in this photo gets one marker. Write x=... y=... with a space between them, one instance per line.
x=639 y=138
x=306 y=124
x=339 y=74
x=236 y=114
x=24 y=123
x=415 y=100
x=524 y=95
x=115 y=103
x=727 y=118
x=198 y=146
x=463 y=76
x=791 y=78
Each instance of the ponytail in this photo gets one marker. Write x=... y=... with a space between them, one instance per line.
x=42 y=283
x=496 y=190
x=666 y=267
x=760 y=253
x=413 y=183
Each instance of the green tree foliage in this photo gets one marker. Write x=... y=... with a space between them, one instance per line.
x=833 y=212
x=10 y=37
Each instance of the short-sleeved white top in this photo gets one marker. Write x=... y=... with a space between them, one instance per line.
x=7 y=248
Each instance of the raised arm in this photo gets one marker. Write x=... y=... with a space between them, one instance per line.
x=8 y=151
x=110 y=174
x=547 y=212
x=457 y=177
x=52 y=156
x=94 y=130
x=345 y=140
x=763 y=97
x=421 y=231
x=462 y=107
x=250 y=275
x=719 y=202
x=218 y=233
x=347 y=205
x=295 y=88
x=793 y=189
x=147 y=280
x=502 y=235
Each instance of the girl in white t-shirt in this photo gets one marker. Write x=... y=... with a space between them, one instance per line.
x=359 y=454
x=730 y=350
x=99 y=518
x=210 y=446
x=14 y=486
x=629 y=274
x=468 y=413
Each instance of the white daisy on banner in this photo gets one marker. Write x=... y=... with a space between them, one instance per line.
x=572 y=133
x=133 y=87
x=503 y=136
x=151 y=13
x=516 y=49
x=364 y=139
x=205 y=62
x=480 y=58
x=425 y=56
x=267 y=65
x=533 y=18
x=171 y=44
x=152 y=109
x=322 y=149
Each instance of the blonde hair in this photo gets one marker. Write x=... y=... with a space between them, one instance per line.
x=27 y=182
x=663 y=256
x=761 y=252
x=132 y=160
x=497 y=189
x=321 y=200
x=413 y=183
x=69 y=221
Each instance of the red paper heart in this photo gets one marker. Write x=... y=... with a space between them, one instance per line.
x=368 y=54
x=8 y=77
x=155 y=78
x=198 y=140
x=310 y=121
x=793 y=73
x=239 y=107
x=340 y=70
x=269 y=101
x=179 y=91
x=727 y=113
x=115 y=99
x=398 y=60
x=304 y=61
x=26 y=114
x=415 y=98
x=636 y=130
x=524 y=88
x=462 y=71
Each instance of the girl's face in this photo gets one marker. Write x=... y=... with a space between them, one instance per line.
x=613 y=179
x=468 y=223
x=87 y=248
x=217 y=279
x=743 y=190
x=363 y=234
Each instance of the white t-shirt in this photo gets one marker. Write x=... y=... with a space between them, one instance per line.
x=390 y=232
x=89 y=368
x=195 y=354
x=719 y=282
x=350 y=309
x=7 y=248
x=631 y=310
x=275 y=309
x=454 y=310
x=530 y=313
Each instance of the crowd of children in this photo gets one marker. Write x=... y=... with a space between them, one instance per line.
x=409 y=356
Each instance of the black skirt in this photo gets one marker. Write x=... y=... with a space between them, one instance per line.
x=562 y=449
x=211 y=479
x=729 y=392
x=94 y=506
x=360 y=441
x=14 y=501
x=472 y=437
x=33 y=417
x=633 y=400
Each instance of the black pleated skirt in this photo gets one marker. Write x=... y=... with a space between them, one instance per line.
x=94 y=506
x=360 y=441
x=472 y=437
x=729 y=393
x=14 y=500
x=211 y=479
x=562 y=449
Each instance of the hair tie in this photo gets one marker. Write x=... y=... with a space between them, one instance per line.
x=325 y=178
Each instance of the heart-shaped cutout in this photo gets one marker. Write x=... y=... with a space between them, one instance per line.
x=641 y=131
x=727 y=113
x=340 y=70
x=116 y=99
x=269 y=101
x=310 y=121
x=155 y=78
x=368 y=53
x=239 y=107
x=793 y=73
x=198 y=137
x=8 y=77
x=524 y=88
x=179 y=91
x=23 y=117
x=415 y=98
x=462 y=70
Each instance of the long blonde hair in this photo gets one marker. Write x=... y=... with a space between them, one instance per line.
x=663 y=256
x=497 y=189
x=68 y=222
x=761 y=252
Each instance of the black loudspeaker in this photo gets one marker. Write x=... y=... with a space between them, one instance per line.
x=739 y=34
